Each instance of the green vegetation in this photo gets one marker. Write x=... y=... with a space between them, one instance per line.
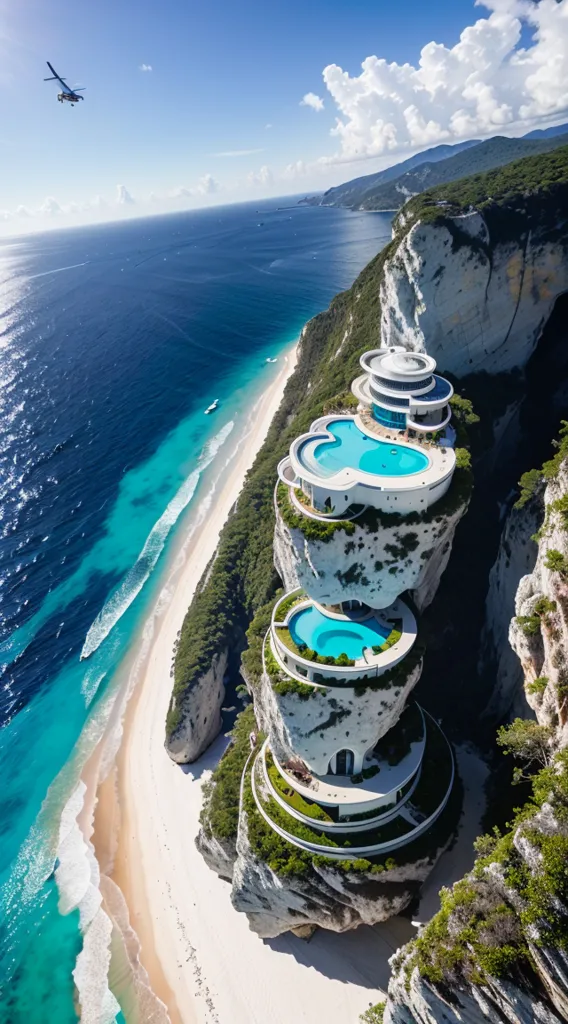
x=388 y=190
x=313 y=529
x=288 y=603
x=528 y=742
x=374 y=1015
x=241 y=577
x=538 y=686
x=531 y=624
x=220 y=814
x=531 y=481
x=291 y=796
x=556 y=562
x=515 y=199
x=392 y=639
x=481 y=929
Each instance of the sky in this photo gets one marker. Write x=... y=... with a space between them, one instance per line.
x=189 y=104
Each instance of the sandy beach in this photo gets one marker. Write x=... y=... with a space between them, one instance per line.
x=202 y=961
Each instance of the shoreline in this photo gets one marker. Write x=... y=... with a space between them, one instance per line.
x=180 y=952
x=123 y=811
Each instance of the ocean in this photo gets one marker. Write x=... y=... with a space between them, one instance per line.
x=113 y=341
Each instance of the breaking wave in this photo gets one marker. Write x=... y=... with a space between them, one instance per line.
x=136 y=577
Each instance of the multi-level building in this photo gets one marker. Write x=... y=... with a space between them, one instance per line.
x=395 y=454
x=353 y=769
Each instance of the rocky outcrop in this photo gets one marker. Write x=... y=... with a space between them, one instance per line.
x=539 y=632
x=219 y=855
x=201 y=719
x=534 y=987
x=498 y=661
x=515 y=899
x=471 y=301
x=374 y=564
x=411 y=1000
x=314 y=728
x=325 y=897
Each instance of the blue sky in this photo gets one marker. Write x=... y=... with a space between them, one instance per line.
x=223 y=71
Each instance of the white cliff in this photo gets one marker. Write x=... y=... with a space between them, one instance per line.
x=498 y=660
x=373 y=563
x=539 y=631
x=201 y=719
x=324 y=896
x=472 y=302
x=314 y=728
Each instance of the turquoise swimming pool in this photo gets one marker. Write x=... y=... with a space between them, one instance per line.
x=352 y=448
x=332 y=637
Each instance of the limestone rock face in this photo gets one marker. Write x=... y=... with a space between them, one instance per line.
x=416 y=1002
x=315 y=728
x=219 y=856
x=201 y=719
x=373 y=566
x=544 y=654
x=325 y=897
x=516 y=557
x=473 y=305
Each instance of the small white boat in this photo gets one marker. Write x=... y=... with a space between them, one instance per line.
x=211 y=408
x=271 y=360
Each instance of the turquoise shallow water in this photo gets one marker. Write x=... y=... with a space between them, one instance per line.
x=106 y=368
x=352 y=448
x=332 y=637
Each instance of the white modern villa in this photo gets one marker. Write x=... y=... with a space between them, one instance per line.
x=349 y=767
x=396 y=454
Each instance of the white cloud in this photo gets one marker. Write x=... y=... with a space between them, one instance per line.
x=145 y=67
x=123 y=197
x=298 y=169
x=238 y=152
x=482 y=86
x=207 y=185
x=50 y=207
x=267 y=126
x=263 y=177
x=313 y=101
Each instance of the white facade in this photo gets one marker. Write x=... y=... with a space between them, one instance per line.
x=326 y=736
x=413 y=492
x=403 y=391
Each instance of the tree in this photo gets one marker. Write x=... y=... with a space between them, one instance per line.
x=527 y=741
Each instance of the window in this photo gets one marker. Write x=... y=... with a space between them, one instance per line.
x=389 y=419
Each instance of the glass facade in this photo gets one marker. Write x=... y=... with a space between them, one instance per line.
x=402 y=385
x=388 y=418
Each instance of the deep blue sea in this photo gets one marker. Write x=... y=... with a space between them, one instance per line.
x=113 y=341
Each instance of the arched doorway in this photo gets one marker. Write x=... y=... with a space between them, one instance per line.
x=344 y=762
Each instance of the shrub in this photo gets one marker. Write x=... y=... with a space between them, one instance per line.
x=374 y=1015
x=220 y=814
x=556 y=561
x=538 y=686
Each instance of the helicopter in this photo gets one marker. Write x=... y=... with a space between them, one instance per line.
x=67 y=94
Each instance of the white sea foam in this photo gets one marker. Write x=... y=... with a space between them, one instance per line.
x=98 y=1005
x=136 y=577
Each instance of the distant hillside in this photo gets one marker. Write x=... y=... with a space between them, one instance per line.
x=357 y=188
x=389 y=189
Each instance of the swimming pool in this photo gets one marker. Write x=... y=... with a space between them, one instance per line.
x=352 y=448
x=332 y=637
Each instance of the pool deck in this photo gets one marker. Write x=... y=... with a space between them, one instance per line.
x=375 y=664
x=441 y=461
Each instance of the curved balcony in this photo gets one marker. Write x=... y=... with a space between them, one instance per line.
x=414 y=816
x=352 y=803
x=427 y=421
x=330 y=666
